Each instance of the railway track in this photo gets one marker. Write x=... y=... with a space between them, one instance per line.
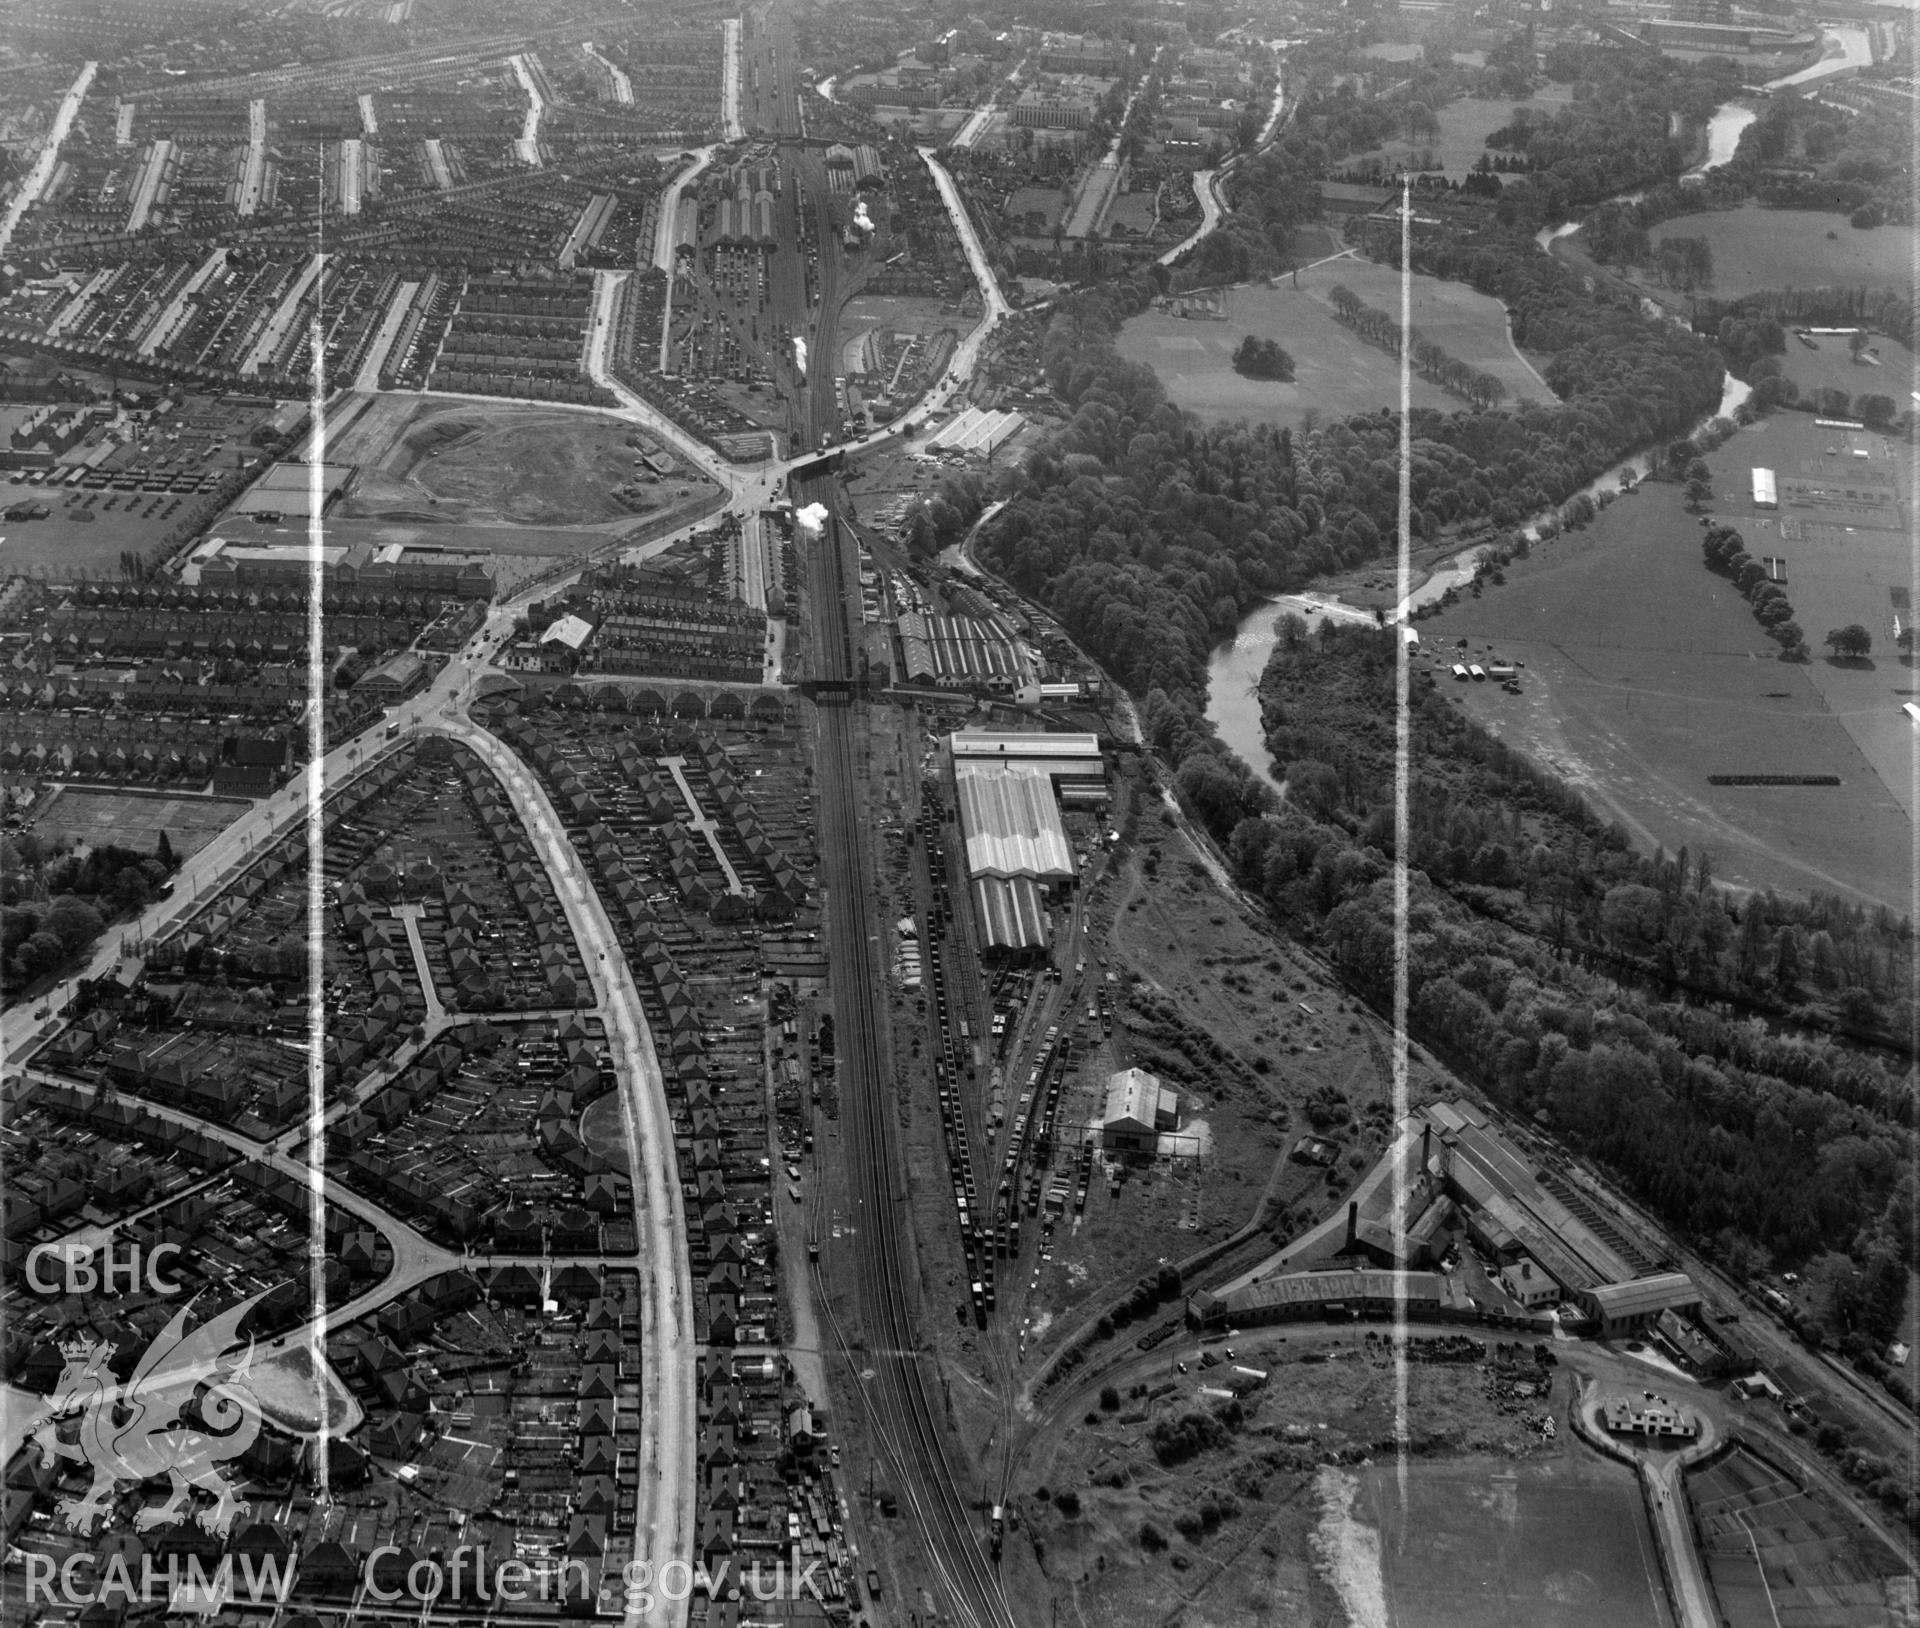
x=901 y=1393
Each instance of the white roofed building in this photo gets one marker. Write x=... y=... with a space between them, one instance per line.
x=1012 y=823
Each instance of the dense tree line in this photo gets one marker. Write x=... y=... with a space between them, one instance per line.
x=56 y=904
x=1594 y=987
x=1617 y=132
x=1149 y=535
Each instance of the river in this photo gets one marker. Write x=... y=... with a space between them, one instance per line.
x=1724 y=129
x=1233 y=671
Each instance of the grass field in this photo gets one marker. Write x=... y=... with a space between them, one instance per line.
x=1756 y=248
x=1049 y=203
x=1645 y=673
x=1830 y=365
x=1560 y=1542
x=130 y=820
x=1464 y=127
x=1336 y=373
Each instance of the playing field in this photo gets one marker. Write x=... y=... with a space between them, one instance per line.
x=1336 y=372
x=1645 y=673
x=1495 y=1543
x=129 y=820
x=1756 y=248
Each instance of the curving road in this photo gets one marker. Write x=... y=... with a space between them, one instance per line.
x=663 y=1525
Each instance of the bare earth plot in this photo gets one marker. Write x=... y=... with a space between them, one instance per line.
x=1756 y=248
x=517 y=466
x=1644 y=673
x=128 y=820
x=1336 y=373
x=1492 y=1543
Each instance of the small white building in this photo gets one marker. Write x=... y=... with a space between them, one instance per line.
x=1656 y=1417
x=1138 y=1108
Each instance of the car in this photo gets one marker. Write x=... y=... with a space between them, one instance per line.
x=1229 y=1353
x=1181 y=1366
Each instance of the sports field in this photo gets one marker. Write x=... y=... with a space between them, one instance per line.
x=1775 y=1555
x=1336 y=372
x=1756 y=248
x=129 y=820
x=1561 y=1542
x=1645 y=673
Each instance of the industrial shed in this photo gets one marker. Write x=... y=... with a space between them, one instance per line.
x=1321 y=1294
x=1012 y=915
x=1628 y=1308
x=1071 y=761
x=1012 y=824
x=979 y=431
x=289 y=490
x=1138 y=1108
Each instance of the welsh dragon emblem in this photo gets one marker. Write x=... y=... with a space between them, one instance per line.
x=135 y=1432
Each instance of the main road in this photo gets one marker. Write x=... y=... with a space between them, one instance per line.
x=34 y=182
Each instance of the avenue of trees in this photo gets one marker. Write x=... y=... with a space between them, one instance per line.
x=1726 y=552
x=1483 y=390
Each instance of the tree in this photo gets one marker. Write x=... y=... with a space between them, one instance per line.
x=1850 y=643
x=1262 y=359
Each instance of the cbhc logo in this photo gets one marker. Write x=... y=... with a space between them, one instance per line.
x=77 y=1268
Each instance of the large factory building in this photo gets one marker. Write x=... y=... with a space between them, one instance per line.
x=1008 y=790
